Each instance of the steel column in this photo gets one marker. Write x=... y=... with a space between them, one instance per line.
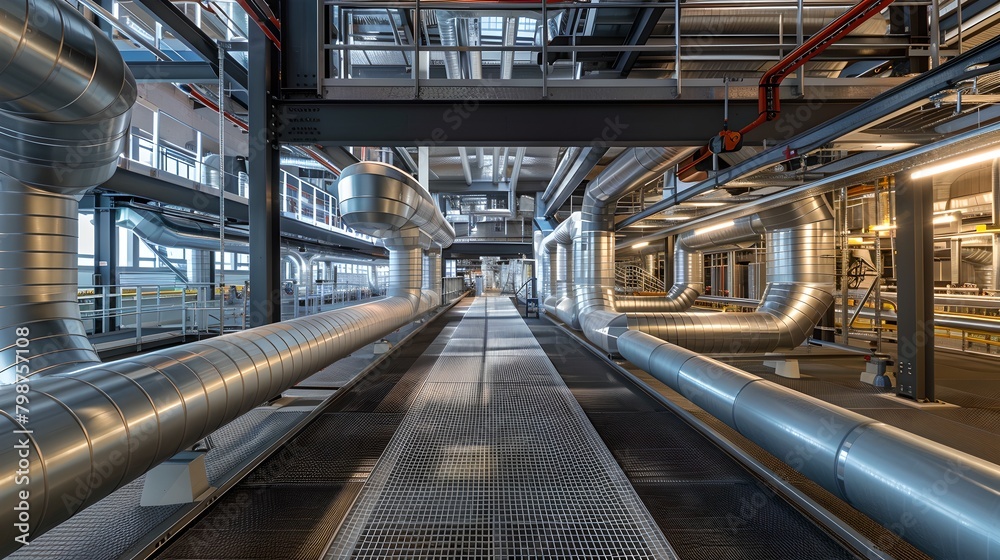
x=105 y=260
x=264 y=166
x=915 y=286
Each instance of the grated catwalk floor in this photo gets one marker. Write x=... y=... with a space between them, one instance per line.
x=496 y=459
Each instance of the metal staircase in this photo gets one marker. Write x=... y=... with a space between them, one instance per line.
x=630 y=279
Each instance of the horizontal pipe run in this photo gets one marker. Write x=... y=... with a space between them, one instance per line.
x=94 y=430
x=947 y=503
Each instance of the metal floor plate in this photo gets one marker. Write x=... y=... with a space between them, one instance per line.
x=495 y=459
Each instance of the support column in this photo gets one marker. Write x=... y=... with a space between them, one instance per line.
x=105 y=261
x=995 y=217
x=956 y=263
x=668 y=261
x=265 y=230
x=915 y=281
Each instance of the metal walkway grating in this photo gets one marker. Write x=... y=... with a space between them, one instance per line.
x=496 y=459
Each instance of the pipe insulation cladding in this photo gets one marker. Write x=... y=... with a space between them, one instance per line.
x=90 y=428
x=943 y=501
x=65 y=107
x=95 y=429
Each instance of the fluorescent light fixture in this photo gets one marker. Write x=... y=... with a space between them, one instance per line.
x=640 y=245
x=676 y=218
x=956 y=164
x=946 y=219
x=705 y=204
x=715 y=227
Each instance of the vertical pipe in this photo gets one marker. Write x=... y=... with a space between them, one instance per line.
x=424 y=166
x=463 y=154
x=956 y=263
x=677 y=45
x=507 y=57
x=496 y=166
x=935 y=49
x=799 y=39
x=878 y=266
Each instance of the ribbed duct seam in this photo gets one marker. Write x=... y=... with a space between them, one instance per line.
x=66 y=98
x=38 y=273
x=883 y=471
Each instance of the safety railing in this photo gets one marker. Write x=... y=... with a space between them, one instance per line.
x=631 y=278
x=308 y=300
x=452 y=287
x=508 y=35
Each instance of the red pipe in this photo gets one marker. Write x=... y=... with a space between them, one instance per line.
x=213 y=106
x=769 y=94
x=252 y=14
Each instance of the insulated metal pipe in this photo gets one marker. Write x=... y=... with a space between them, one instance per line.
x=562 y=237
x=945 y=502
x=593 y=245
x=95 y=429
x=800 y=272
x=689 y=266
x=379 y=198
x=448 y=32
x=509 y=40
x=432 y=275
x=66 y=98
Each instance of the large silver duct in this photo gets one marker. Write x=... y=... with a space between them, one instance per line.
x=558 y=249
x=689 y=266
x=593 y=246
x=801 y=276
x=448 y=32
x=945 y=502
x=432 y=274
x=378 y=198
x=95 y=429
x=65 y=100
x=161 y=230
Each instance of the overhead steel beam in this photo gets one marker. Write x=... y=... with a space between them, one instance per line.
x=195 y=39
x=639 y=33
x=541 y=122
x=174 y=72
x=476 y=249
x=919 y=88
